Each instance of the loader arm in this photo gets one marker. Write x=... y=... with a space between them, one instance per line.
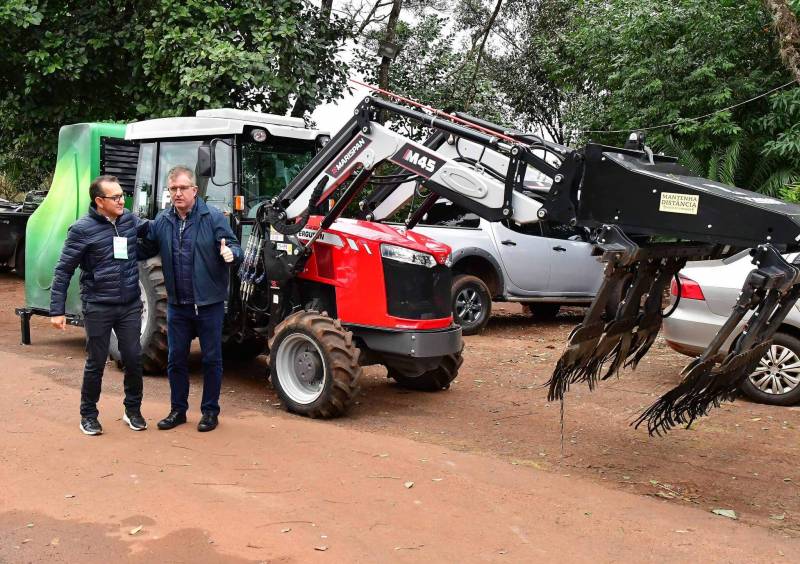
x=650 y=217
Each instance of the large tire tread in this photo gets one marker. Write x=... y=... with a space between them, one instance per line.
x=434 y=380
x=337 y=345
x=155 y=349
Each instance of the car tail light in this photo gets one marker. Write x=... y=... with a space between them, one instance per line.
x=690 y=289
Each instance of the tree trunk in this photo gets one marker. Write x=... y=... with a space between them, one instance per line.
x=389 y=37
x=485 y=32
x=788 y=30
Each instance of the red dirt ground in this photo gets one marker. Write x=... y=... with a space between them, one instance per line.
x=489 y=481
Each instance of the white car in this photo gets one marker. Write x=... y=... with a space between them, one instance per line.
x=709 y=290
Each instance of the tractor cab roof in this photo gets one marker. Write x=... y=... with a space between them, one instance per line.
x=220 y=122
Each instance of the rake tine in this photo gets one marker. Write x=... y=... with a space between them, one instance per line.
x=770 y=291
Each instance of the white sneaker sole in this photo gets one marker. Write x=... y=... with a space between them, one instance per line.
x=85 y=432
x=128 y=421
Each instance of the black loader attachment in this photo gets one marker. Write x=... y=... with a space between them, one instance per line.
x=653 y=216
x=649 y=216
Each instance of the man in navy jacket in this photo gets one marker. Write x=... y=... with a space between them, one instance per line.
x=197 y=248
x=103 y=244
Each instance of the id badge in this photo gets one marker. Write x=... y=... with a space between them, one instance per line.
x=120 y=247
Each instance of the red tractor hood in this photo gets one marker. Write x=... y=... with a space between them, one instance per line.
x=382 y=233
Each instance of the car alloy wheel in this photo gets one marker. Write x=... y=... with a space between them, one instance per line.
x=468 y=305
x=778 y=371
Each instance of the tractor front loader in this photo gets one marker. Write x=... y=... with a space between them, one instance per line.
x=649 y=216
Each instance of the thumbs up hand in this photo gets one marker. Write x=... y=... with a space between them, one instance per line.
x=225 y=252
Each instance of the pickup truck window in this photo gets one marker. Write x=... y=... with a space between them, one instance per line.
x=534 y=229
x=566 y=232
x=446 y=214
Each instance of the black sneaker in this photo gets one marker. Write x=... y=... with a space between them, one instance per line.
x=208 y=422
x=134 y=420
x=91 y=426
x=172 y=420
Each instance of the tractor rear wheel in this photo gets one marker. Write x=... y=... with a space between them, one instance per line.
x=314 y=365
x=434 y=380
x=154 y=319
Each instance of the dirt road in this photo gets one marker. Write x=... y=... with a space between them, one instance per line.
x=469 y=475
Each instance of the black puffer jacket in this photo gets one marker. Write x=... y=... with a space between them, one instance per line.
x=90 y=245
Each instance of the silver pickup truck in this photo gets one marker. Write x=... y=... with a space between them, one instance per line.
x=540 y=265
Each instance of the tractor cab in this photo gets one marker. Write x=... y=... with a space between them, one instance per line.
x=240 y=158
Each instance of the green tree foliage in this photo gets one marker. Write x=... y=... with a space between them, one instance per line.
x=628 y=64
x=65 y=62
x=529 y=29
x=432 y=66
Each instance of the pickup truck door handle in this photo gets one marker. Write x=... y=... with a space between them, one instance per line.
x=559 y=248
x=509 y=242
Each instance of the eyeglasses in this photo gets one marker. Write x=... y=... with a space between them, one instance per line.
x=116 y=197
x=176 y=189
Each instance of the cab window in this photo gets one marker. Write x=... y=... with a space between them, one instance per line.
x=218 y=193
x=268 y=168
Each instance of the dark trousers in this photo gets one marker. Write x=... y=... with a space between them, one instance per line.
x=184 y=323
x=126 y=321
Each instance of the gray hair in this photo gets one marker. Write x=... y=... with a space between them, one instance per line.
x=181 y=169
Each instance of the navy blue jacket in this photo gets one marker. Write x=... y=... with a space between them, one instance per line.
x=183 y=257
x=90 y=245
x=210 y=272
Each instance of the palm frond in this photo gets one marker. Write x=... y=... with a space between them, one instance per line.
x=675 y=148
x=713 y=164
x=779 y=180
x=763 y=168
x=730 y=163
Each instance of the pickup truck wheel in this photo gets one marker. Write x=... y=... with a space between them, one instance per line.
x=314 y=365
x=776 y=379
x=543 y=312
x=154 y=319
x=472 y=303
x=433 y=380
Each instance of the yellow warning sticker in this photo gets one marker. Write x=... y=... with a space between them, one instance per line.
x=673 y=202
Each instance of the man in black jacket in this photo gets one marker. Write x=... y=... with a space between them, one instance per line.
x=104 y=244
x=197 y=248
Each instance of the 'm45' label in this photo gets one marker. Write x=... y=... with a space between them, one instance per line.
x=416 y=160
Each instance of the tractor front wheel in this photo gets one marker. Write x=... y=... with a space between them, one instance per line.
x=314 y=365
x=434 y=380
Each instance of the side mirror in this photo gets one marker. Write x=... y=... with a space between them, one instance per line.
x=206 y=165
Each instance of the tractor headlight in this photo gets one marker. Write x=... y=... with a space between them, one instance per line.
x=401 y=254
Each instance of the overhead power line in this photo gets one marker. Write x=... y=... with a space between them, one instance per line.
x=687 y=120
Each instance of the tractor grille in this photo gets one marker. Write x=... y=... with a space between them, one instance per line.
x=417 y=292
x=120 y=158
